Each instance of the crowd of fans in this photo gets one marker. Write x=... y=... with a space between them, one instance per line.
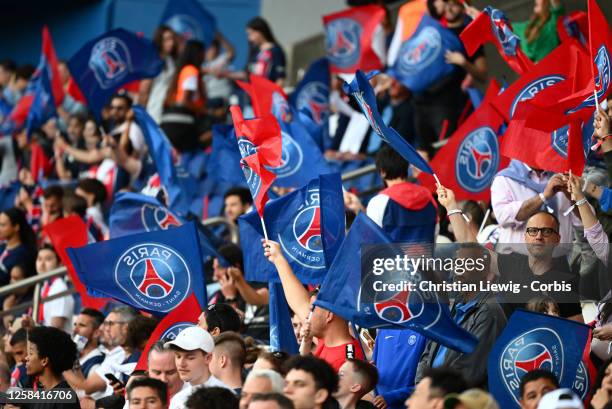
x=224 y=361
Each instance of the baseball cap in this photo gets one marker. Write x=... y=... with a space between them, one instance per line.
x=472 y=399
x=560 y=399
x=192 y=338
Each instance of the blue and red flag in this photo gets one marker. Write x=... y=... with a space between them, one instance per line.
x=309 y=225
x=282 y=337
x=266 y=97
x=109 y=61
x=492 y=26
x=133 y=213
x=574 y=25
x=69 y=232
x=534 y=341
x=471 y=157
x=153 y=271
x=190 y=20
x=178 y=183
x=575 y=100
x=416 y=54
x=42 y=107
x=348 y=292
x=260 y=145
x=311 y=94
x=545 y=150
x=183 y=316
x=355 y=40
x=363 y=93
x=225 y=155
x=44 y=83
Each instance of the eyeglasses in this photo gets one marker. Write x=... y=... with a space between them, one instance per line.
x=111 y=323
x=546 y=231
x=118 y=107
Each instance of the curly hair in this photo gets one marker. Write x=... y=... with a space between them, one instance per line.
x=55 y=345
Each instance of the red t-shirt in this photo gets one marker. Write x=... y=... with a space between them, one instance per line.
x=336 y=356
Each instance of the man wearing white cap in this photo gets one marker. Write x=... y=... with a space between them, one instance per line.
x=192 y=353
x=560 y=399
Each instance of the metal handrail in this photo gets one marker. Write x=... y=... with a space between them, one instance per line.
x=357 y=173
x=233 y=229
x=30 y=281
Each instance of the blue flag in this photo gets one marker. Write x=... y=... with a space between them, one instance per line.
x=190 y=20
x=111 y=60
x=43 y=104
x=311 y=95
x=282 y=337
x=363 y=93
x=179 y=184
x=133 y=213
x=302 y=159
x=225 y=155
x=153 y=271
x=309 y=225
x=420 y=61
x=345 y=292
x=534 y=341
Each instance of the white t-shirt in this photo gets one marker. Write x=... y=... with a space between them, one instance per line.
x=159 y=90
x=111 y=364
x=136 y=136
x=60 y=307
x=92 y=354
x=178 y=400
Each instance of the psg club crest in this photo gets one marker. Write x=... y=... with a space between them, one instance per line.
x=313 y=98
x=301 y=240
x=185 y=26
x=291 y=159
x=419 y=52
x=477 y=160
x=534 y=88
x=110 y=61
x=602 y=80
x=171 y=333
x=539 y=348
x=503 y=33
x=157 y=218
x=154 y=276
x=247 y=148
x=343 y=42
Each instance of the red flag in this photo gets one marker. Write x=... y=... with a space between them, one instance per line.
x=586 y=374
x=184 y=315
x=48 y=51
x=260 y=145
x=355 y=39
x=577 y=101
x=492 y=26
x=40 y=164
x=574 y=25
x=72 y=232
x=75 y=92
x=470 y=159
x=266 y=97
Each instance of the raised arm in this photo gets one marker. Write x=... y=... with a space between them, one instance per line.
x=295 y=293
x=462 y=231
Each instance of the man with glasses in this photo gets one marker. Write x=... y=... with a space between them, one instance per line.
x=115 y=334
x=541 y=271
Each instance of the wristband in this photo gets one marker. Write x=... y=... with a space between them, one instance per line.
x=457 y=211
x=581 y=202
x=542 y=197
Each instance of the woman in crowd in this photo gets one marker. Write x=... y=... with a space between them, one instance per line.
x=539 y=34
x=267 y=58
x=153 y=92
x=19 y=239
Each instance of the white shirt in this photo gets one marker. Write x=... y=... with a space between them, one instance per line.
x=159 y=90
x=111 y=364
x=93 y=353
x=60 y=307
x=178 y=400
x=136 y=136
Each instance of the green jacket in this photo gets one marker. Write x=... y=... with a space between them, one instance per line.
x=548 y=39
